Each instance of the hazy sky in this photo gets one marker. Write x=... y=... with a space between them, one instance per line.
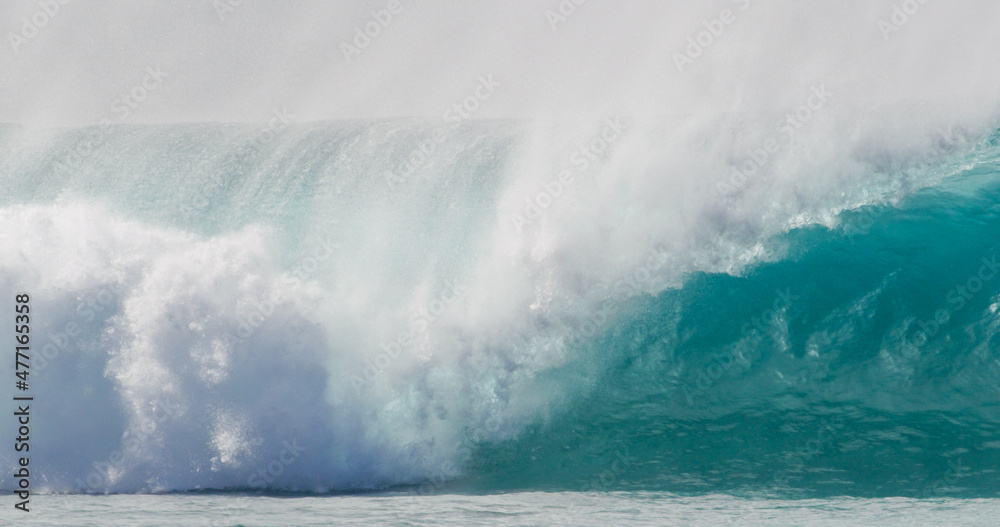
x=242 y=62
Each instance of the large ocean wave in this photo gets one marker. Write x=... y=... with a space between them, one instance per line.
x=673 y=304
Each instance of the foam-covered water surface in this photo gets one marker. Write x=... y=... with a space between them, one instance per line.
x=514 y=509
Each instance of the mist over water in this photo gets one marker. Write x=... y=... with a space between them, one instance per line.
x=502 y=246
x=600 y=59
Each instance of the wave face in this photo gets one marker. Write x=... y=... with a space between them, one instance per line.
x=865 y=361
x=506 y=305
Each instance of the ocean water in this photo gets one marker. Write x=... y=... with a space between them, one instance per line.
x=517 y=509
x=353 y=322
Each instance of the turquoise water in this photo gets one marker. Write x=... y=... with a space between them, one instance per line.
x=810 y=375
